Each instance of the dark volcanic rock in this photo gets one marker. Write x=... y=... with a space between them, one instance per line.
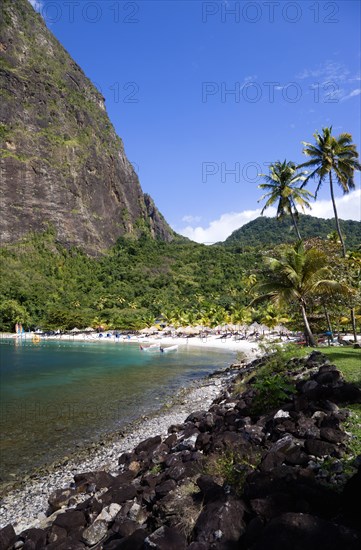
x=176 y=472
x=68 y=544
x=57 y=534
x=301 y=531
x=347 y=393
x=164 y=488
x=61 y=160
x=71 y=520
x=7 y=537
x=327 y=375
x=304 y=493
x=211 y=491
x=268 y=485
x=98 y=479
x=134 y=542
x=126 y=528
x=34 y=539
x=166 y=538
x=277 y=504
x=350 y=497
x=60 y=498
x=119 y=495
x=332 y=435
x=220 y=524
x=319 y=448
x=148 y=445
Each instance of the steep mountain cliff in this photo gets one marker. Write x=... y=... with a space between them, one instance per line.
x=61 y=161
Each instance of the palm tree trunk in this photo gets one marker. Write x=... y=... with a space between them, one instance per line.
x=295 y=225
x=353 y=321
x=309 y=336
x=336 y=217
x=329 y=328
x=327 y=319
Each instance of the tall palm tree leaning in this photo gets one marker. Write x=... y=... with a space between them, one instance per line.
x=282 y=187
x=332 y=155
x=295 y=277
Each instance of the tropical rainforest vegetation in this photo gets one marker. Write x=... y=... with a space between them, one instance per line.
x=268 y=232
x=312 y=285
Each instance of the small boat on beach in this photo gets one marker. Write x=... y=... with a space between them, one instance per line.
x=169 y=348
x=151 y=347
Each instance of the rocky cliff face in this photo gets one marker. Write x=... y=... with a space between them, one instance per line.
x=61 y=161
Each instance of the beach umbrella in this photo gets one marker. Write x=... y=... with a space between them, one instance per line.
x=154 y=328
x=88 y=329
x=74 y=330
x=190 y=330
x=281 y=328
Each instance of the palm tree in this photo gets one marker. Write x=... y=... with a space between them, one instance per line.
x=177 y=318
x=332 y=155
x=333 y=237
x=191 y=317
x=241 y=315
x=281 y=185
x=352 y=274
x=273 y=316
x=297 y=276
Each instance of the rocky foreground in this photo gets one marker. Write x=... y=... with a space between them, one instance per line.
x=231 y=477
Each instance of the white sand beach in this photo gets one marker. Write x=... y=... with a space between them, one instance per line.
x=207 y=342
x=210 y=341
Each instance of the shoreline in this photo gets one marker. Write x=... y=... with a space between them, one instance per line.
x=210 y=341
x=25 y=506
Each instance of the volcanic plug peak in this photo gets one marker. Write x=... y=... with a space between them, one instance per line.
x=61 y=161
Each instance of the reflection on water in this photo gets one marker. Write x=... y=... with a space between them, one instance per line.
x=56 y=395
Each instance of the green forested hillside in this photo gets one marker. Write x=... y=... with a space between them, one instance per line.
x=44 y=284
x=269 y=231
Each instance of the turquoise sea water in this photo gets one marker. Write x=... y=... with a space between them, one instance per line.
x=56 y=396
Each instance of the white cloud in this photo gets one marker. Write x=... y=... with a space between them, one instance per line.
x=354 y=93
x=219 y=230
x=37 y=4
x=331 y=79
x=250 y=78
x=348 y=208
x=328 y=71
x=191 y=219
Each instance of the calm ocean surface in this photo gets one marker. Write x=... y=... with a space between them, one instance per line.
x=57 y=395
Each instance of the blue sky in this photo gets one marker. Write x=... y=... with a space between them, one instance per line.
x=205 y=94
